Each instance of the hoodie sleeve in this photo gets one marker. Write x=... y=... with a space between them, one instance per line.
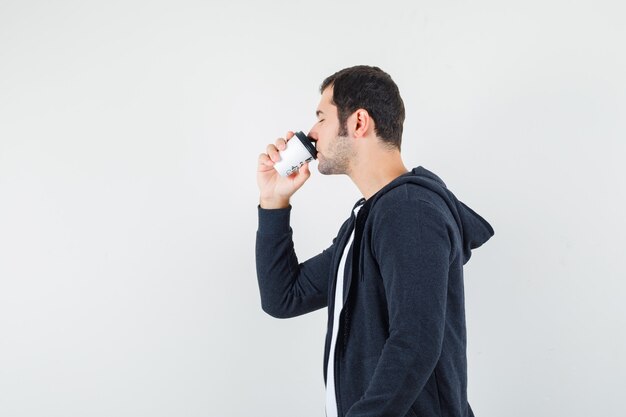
x=288 y=288
x=412 y=247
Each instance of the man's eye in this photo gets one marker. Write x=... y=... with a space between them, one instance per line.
x=321 y=121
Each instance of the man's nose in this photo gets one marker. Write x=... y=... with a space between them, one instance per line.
x=312 y=134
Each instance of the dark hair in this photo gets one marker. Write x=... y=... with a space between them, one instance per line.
x=372 y=89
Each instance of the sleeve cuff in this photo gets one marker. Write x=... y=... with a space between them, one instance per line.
x=274 y=221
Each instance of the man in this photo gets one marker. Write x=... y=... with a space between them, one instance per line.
x=392 y=278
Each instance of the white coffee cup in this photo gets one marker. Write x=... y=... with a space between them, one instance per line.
x=300 y=149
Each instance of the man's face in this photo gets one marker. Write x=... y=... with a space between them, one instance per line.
x=334 y=152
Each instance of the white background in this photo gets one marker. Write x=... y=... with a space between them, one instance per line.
x=129 y=134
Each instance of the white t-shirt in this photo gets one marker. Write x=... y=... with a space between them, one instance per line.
x=331 y=398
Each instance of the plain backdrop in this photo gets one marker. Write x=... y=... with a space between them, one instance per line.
x=129 y=137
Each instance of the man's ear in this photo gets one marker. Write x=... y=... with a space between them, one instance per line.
x=362 y=123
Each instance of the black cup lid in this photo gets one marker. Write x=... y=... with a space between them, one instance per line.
x=308 y=143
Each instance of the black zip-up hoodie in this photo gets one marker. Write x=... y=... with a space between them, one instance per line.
x=401 y=346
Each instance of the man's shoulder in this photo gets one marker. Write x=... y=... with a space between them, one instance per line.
x=407 y=195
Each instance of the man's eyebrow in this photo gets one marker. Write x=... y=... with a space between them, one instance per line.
x=317 y=113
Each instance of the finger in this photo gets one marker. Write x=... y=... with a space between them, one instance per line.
x=289 y=135
x=303 y=174
x=305 y=169
x=265 y=160
x=281 y=144
x=265 y=168
x=272 y=152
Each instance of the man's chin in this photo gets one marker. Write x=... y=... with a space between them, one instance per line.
x=326 y=167
x=321 y=164
x=324 y=170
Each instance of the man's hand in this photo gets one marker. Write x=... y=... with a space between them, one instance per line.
x=276 y=190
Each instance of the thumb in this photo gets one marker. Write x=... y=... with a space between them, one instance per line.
x=303 y=174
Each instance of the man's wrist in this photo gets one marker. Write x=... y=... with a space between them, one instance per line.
x=274 y=203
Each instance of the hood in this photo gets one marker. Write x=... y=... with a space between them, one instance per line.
x=473 y=228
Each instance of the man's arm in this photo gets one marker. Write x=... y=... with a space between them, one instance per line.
x=412 y=247
x=288 y=288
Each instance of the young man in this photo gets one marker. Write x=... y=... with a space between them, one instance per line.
x=392 y=278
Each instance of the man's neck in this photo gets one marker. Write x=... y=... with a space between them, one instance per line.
x=372 y=172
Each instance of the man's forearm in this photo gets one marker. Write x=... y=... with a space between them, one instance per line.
x=288 y=288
